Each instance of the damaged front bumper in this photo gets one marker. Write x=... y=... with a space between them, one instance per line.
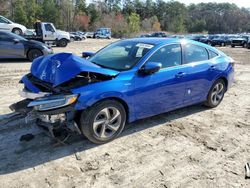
x=55 y=113
x=47 y=111
x=45 y=105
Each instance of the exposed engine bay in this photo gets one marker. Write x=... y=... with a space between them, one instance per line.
x=48 y=97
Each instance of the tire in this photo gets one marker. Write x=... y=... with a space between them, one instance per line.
x=216 y=93
x=62 y=43
x=223 y=44
x=105 y=130
x=209 y=43
x=72 y=39
x=232 y=46
x=244 y=45
x=33 y=54
x=17 y=31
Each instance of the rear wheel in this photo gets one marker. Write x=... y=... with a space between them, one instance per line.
x=245 y=45
x=33 y=54
x=103 y=122
x=17 y=31
x=216 y=94
x=223 y=44
x=232 y=46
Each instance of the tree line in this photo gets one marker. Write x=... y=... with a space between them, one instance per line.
x=127 y=17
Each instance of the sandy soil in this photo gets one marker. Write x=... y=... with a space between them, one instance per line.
x=190 y=147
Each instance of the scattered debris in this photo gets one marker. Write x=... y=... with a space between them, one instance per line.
x=247 y=168
x=27 y=137
x=78 y=157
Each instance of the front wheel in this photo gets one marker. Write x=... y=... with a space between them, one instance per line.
x=33 y=54
x=103 y=122
x=216 y=94
x=62 y=43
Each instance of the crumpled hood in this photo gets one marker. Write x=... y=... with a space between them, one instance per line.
x=59 y=68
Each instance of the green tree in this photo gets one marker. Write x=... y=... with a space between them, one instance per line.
x=32 y=10
x=50 y=12
x=93 y=13
x=134 y=23
x=19 y=15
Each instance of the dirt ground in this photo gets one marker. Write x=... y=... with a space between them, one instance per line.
x=190 y=147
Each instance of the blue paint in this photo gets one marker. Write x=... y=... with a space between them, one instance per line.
x=145 y=95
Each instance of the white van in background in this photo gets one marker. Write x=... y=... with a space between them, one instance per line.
x=7 y=25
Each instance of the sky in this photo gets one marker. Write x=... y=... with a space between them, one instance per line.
x=239 y=3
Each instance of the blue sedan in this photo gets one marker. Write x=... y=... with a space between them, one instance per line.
x=127 y=80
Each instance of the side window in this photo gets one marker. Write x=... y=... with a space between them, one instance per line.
x=5 y=37
x=3 y=20
x=194 y=53
x=168 y=56
x=48 y=27
x=212 y=54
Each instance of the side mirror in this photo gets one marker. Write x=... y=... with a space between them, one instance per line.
x=16 y=41
x=150 y=68
x=87 y=54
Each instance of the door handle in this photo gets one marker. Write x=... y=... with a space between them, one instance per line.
x=180 y=74
x=212 y=67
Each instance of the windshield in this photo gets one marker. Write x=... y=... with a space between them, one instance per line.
x=121 y=55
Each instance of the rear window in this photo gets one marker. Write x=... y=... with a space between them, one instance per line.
x=212 y=54
x=195 y=53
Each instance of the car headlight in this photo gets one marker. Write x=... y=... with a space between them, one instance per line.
x=53 y=102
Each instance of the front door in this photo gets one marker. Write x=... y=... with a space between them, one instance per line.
x=49 y=33
x=10 y=48
x=163 y=90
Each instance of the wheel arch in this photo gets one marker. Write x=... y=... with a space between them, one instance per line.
x=29 y=49
x=123 y=102
x=16 y=28
x=220 y=78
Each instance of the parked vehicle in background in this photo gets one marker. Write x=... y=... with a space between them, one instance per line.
x=30 y=32
x=195 y=37
x=145 y=35
x=248 y=43
x=8 y=25
x=158 y=34
x=76 y=36
x=240 y=41
x=221 y=41
x=89 y=34
x=123 y=82
x=47 y=33
x=81 y=34
x=103 y=33
x=207 y=39
x=15 y=46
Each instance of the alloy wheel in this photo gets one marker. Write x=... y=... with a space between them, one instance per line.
x=107 y=122
x=217 y=93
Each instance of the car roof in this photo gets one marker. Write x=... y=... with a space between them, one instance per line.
x=162 y=41
x=154 y=40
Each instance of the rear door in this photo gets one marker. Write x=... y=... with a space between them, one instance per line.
x=9 y=48
x=201 y=72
